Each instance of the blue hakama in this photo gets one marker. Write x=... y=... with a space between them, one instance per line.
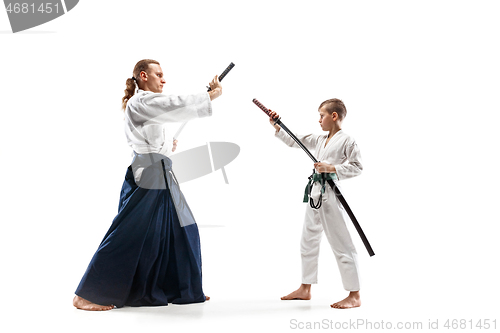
x=148 y=257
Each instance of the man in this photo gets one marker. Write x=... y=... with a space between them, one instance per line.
x=151 y=253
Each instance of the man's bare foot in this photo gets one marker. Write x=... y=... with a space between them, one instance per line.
x=351 y=301
x=83 y=304
x=207 y=298
x=303 y=293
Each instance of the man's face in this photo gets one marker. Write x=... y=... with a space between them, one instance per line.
x=325 y=119
x=154 y=79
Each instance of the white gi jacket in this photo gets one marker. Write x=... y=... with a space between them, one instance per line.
x=341 y=151
x=147 y=114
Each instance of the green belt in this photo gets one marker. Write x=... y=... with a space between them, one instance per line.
x=318 y=177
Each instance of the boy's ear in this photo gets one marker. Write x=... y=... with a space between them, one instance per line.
x=335 y=116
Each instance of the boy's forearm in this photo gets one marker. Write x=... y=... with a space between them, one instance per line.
x=353 y=167
x=348 y=170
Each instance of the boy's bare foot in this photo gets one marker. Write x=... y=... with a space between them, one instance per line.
x=303 y=293
x=207 y=298
x=351 y=301
x=83 y=304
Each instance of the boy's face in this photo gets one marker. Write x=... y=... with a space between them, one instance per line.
x=326 y=120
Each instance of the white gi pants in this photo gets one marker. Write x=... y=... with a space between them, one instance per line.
x=331 y=218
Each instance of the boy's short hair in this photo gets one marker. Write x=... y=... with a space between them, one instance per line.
x=335 y=105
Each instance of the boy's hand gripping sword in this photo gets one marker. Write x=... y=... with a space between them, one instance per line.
x=231 y=65
x=330 y=182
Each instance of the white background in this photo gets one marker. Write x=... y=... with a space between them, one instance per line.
x=421 y=84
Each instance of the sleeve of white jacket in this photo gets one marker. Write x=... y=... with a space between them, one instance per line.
x=159 y=108
x=352 y=167
x=309 y=141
